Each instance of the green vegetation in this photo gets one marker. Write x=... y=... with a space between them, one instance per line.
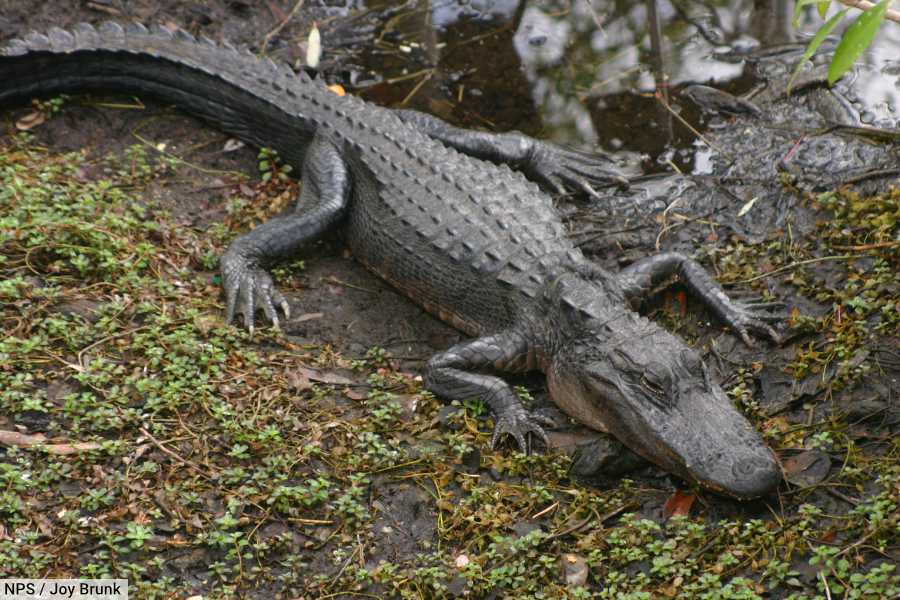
x=207 y=458
x=854 y=41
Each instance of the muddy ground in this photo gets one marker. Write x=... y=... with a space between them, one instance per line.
x=339 y=306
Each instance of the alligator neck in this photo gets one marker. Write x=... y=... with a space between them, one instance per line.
x=580 y=304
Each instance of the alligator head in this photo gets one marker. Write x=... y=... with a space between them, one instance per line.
x=643 y=385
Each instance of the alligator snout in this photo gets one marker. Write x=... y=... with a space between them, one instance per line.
x=657 y=397
x=754 y=477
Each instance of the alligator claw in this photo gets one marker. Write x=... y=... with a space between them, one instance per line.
x=248 y=287
x=518 y=424
x=561 y=168
x=749 y=318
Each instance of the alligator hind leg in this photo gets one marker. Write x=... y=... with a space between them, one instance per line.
x=642 y=278
x=450 y=375
x=556 y=167
x=323 y=200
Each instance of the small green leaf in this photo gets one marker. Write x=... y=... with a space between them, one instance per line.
x=855 y=40
x=814 y=44
x=823 y=7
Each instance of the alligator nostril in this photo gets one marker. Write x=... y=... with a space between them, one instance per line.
x=755 y=475
x=745 y=467
x=750 y=465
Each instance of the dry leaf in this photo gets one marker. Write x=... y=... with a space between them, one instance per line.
x=314 y=48
x=355 y=395
x=31 y=120
x=681 y=298
x=298 y=381
x=679 y=504
x=324 y=376
x=232 y=144
x=807 y=468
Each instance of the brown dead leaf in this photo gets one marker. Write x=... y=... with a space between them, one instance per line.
x=43 y=523
x=298 y=381
x=324 y=376
x=446 y=505
x=31 y=120
x=679 y=504
x=807 y=468
x=354 y=394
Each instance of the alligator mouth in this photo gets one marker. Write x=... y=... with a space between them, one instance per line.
x=746 y=478
x=713 y=445
x=700 y=437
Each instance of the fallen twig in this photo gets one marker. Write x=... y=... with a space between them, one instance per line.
x=200 y=470
x=280 y=26
x=22 y=440
x=798 y=264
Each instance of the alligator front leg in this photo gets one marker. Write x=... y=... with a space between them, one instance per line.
x=642 y=278
x=556 y=167
x=450 y=375
x=323 y=200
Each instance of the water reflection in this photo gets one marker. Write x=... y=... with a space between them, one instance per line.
x=582 y=71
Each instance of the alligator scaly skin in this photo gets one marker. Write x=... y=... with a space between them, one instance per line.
x=459 y=232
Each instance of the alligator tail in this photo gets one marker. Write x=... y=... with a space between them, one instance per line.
x=255 y=99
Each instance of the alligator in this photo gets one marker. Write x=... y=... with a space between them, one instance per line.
x=457 y=221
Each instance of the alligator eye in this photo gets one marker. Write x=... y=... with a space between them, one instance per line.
x=652 y=386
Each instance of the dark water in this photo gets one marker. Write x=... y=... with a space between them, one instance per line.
x=585 y=72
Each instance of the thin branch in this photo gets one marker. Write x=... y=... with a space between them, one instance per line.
x=891 y=14
x=801 y=263
x=280 y=26
x=189 y=463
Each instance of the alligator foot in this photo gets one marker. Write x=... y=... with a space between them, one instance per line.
x=519 y=423
x=247 y=288
x=642 y=278
x=561 y=168
x=322 y=203
x=452 y=375
x=556 y=167
x=749 y=316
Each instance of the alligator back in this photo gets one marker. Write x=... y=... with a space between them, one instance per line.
x=470 y=241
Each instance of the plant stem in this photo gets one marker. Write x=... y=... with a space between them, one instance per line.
x=891 y=14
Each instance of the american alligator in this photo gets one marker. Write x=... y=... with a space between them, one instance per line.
x=438 y=213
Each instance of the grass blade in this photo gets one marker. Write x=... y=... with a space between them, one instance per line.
x=814 y=44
